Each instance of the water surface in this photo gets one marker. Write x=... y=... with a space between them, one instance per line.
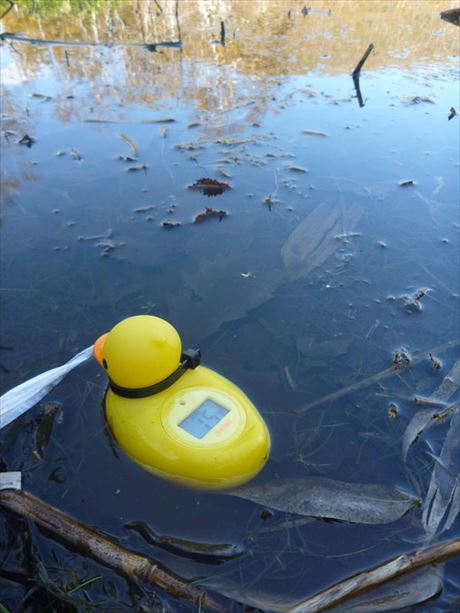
x=234 y=108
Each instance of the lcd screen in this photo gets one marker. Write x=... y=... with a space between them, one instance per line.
x=204 y=418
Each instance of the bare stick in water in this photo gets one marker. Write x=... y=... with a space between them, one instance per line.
x=103 y=549
x=377 y=576
x=360 y=64
x=383 y=374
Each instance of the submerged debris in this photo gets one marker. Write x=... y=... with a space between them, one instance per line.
x=76 y=155
x=412 y=304
x=169 y=224
x=314 y=133
x=143 y=167
x=437 y=364
x=27 y=140
x=190 y=145
x=144 y=209
x=209 y=187
x=297 y=169
x=108 y=246
x=208 y=213
x=401 y=359
x=42 y=97
x=126 y=158
x=130 y=142
x=418 y=100
x=95 y=237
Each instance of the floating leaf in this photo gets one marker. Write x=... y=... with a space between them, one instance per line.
x=406 y=591
x=443 y=489
x=208 y=213
x=320 y=497
x=313 y=241
x=209 y=187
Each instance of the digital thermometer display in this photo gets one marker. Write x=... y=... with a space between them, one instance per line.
x=203 y=419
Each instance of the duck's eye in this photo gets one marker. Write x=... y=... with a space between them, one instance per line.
x=104 y=363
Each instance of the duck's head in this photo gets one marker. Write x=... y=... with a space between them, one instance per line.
x=139 y=352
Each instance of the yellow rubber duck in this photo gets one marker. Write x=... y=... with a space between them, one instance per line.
x=174 y=417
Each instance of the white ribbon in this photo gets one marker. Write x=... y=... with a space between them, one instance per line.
x=20 y=399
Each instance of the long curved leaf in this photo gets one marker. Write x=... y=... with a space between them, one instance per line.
x=320 y=497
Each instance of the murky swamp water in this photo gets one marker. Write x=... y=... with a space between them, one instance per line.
x=119 y=131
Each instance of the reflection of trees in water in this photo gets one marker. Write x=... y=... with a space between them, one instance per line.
x=15 y=124
x=263 y=38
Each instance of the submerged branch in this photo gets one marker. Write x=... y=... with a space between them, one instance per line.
x=94 y=544
x=383 y=374
x=377 y=576
x=72 y=43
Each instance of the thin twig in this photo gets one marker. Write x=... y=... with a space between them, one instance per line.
x=360 y=64
x=103 y=549
x=384 y=374
x=418 y=400
x=375 y=577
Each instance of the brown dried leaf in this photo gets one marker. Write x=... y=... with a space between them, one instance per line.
x=208 y=213
x=209 y=187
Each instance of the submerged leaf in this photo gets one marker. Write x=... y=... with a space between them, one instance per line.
x=207 y=552
x=420 y=421
x=320 y=497
x=313 y=241
x=443 y=490
x=450 y=383
x=406 y=591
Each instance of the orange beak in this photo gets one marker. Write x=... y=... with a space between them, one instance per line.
x=98 y=348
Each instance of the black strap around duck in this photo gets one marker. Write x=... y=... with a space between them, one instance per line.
x=188 y=359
